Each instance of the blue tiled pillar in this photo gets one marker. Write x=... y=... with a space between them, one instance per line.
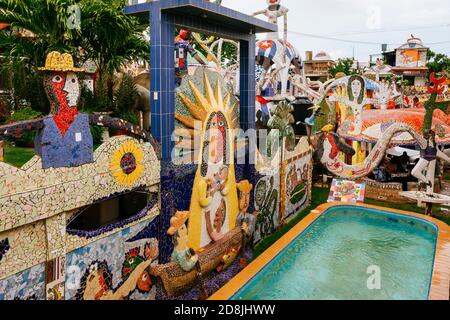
x=247 y=83
x=247 y=107
x=162 y=100
x=162 y=79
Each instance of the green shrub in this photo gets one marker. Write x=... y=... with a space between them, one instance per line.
x=22 y=114
x=97 y=133
x=25 y=113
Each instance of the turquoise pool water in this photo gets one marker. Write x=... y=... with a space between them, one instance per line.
x=330 y=259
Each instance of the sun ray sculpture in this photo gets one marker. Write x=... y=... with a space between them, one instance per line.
x=213 y=121
x=204 y=104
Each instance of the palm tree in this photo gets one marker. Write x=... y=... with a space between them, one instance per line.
x=106 y=35
x=110 y=37
x=39 y=26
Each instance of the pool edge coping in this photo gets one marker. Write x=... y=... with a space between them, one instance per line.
x=440 y=281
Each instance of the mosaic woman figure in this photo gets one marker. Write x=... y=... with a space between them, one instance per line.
x=428 y=156
x=213 y=184
x=355 y=99
x=214 y=203
x=65 y=140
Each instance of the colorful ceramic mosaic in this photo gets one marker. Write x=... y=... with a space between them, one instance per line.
x=4 y=247
x=347 y=191
x=267 y=199
x=27 y=248
x=115 y=267
x=214 y=194
x=25 y=285
x=31 y=193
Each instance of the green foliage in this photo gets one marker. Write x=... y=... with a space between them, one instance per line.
x=437 y=62
x=97 y=101
x=282 y=121
x=28 y=89
x=22 y=114
x=4 y=109
x=342 y=65
x=25 y=113
x=106 y=36
x=97 y=133
x=109 y=36
x=47 y=19
x=126 y=96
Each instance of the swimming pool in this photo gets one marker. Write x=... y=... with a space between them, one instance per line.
x=351 y=252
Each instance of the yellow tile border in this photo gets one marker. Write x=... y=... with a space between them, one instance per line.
x=440 y=282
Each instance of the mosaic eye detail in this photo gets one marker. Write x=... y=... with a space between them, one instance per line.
x=57 y=79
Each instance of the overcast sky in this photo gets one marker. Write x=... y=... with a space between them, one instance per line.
x=380 y=21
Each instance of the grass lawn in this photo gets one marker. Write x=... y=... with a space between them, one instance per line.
x=320 y=196
x=18 y=156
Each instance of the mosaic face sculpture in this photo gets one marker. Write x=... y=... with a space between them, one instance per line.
x=65 y=140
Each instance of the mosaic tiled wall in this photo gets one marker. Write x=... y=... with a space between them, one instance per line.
x=296 y=179
x=112 y=262
x=27 y=248
x=35 y=205
x=267 y=203
x=25 y=285
x=74 y=242
x=283 y=188
x=30 y=193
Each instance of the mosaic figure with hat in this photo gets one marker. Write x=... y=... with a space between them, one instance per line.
x=65 y=139
x=182 y=253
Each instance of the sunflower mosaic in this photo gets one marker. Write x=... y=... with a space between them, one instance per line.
x=126 y=164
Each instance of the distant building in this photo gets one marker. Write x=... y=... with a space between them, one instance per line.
x=410 y=61
x=316 y=69
x=379 y=71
